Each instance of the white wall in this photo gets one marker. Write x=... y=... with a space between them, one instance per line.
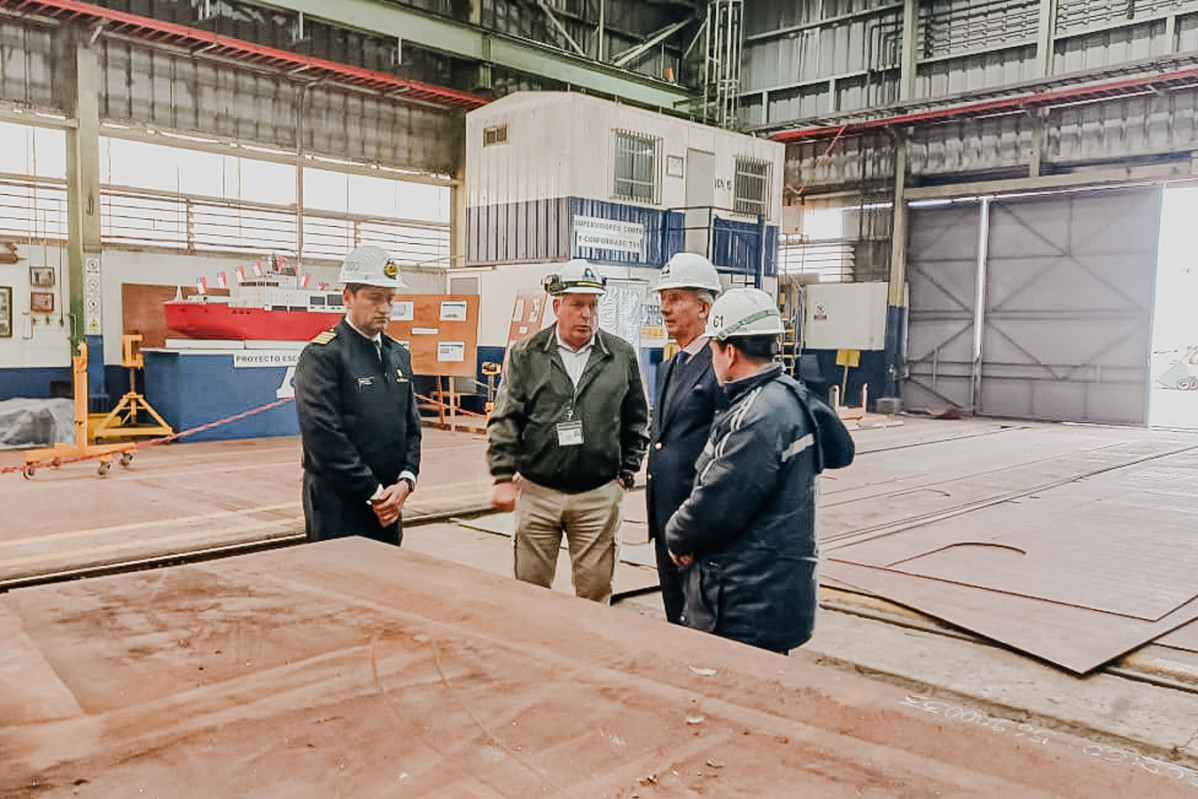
x=44 y=340
x=41 y=340
x=497 y=289
x=561 y=144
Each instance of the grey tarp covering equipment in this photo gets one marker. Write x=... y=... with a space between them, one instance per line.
x=26 y=422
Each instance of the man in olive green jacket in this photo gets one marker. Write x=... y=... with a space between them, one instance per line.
x=567 y=436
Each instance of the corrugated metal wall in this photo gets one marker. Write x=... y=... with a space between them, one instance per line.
x=664 y=232
x=540 y=231
x=809 y=60
x=148 y=86
x=522 y=232
x=805 y=60
x=29 y=70
x=1161 y=127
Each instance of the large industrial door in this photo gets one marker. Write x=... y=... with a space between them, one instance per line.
x=1065 y=290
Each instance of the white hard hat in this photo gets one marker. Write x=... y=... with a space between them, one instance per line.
x=743 y=312
x=575 y=277
x=371 y=266
x=688 y=270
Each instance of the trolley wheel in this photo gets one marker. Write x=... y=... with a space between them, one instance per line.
x=104 y=467
x=126 y=458
x=28 y=471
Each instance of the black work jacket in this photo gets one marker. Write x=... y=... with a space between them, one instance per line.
x=749 y=523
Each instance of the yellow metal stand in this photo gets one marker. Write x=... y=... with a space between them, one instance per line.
x=121 y=421
x=80 y=450
x=491 y=371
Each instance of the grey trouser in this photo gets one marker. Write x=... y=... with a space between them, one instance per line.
x=591 y=523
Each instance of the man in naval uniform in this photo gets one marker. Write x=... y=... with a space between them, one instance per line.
x=358 y=418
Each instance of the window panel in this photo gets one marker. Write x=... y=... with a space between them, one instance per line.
x=193 y=200
x=751 y=188
x=637 y=159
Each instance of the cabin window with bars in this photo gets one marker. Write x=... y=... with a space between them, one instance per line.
x=751 y=189
x=638 y=158
x=494 y=135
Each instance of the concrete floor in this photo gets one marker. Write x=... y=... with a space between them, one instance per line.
x=1139 y=716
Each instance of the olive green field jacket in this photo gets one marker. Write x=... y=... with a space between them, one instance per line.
x=537 y=395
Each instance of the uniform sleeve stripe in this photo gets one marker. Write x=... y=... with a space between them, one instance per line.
x=796 y=447
x=738 y=418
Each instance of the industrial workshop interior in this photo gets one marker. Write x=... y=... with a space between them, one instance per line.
x=599 y=398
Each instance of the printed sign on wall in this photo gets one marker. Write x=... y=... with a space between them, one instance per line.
x=592 y=233
x=91 y=296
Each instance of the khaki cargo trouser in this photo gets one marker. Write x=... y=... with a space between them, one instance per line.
x=591 y=523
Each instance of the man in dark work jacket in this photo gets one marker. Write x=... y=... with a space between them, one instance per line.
x=688 y=397
x=358 y=418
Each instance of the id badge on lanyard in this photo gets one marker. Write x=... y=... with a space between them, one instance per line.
x=569 y=432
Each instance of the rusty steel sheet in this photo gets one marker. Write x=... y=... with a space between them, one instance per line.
x=908 y=484
x=1185 y=637
x=354 y=669
x=1074 y=638
x=1119 y=542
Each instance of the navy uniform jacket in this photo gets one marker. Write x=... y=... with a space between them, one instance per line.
x=360 y=429
x=679 y=431
x=749 y=524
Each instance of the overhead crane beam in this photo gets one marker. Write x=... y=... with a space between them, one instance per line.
x=475 y=44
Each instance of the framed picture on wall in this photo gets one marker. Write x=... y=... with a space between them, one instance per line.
x=5 y=311
x=41 y=301
x=41 y=277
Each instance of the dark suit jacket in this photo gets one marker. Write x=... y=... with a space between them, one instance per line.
x=678 y=434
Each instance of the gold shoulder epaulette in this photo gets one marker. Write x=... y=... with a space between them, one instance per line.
x=325 y=336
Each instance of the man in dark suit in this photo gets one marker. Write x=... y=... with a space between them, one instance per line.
x=688 y=398
x=358 y=419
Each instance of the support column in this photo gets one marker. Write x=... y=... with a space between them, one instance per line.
x=979 y=304
x=907 y=54
x=1046 y=33
x=601 y=32
x=83 y=216
x=457 y=206
x=1036 y=155
x=896 y=298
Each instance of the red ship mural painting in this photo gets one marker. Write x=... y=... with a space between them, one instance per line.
x=266 y=307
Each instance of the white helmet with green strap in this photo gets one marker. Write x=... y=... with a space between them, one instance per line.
x=744 y=312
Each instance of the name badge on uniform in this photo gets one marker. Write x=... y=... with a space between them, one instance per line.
x=365 y=382
x=569 y=434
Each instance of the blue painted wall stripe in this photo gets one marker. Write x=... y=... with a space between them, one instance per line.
x=541 y=230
